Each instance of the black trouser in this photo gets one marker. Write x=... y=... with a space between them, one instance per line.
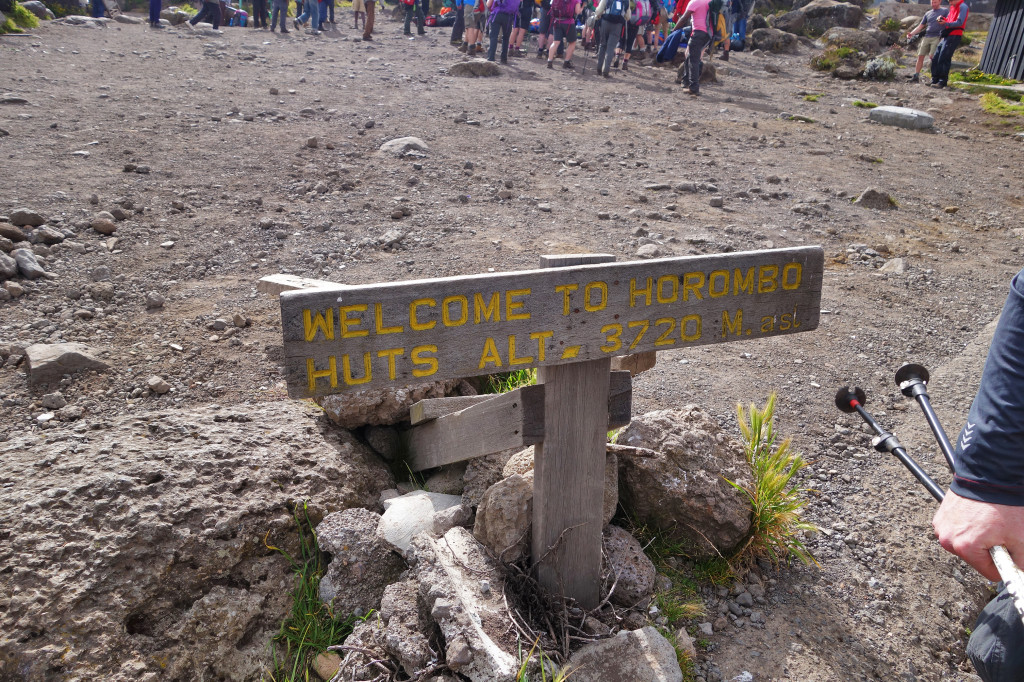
x=995 y=647
x=259 y=13
x=943 y=58
x=211 y=11
x=410 y=10
x=500 y=22
x=460 y=23
x=692 y=66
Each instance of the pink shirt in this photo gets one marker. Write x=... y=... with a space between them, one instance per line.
x=700 y=14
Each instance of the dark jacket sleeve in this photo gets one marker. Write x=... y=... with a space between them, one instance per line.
x=990 y=448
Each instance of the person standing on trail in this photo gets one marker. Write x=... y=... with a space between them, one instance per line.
x=544 y=29
x=210 y=10
x=611 y=22
x=984 y=506
x=952 y=33
x=459 y=27
x=563 y=22
x=154 y=13
x=503 y=13
x=476 y=17
x=522 y=27
x=413 y=7
x=700 y=38
x=370 y=6
x=279 y=9
x=259 y=14
x=932 y=35
x=310 y=12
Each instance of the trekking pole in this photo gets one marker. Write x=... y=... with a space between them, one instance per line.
x=850 y=400
x=913 y=381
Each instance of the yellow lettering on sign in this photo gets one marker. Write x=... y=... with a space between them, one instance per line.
x=602 y=296
x=742 y=284
x=344 y=321
x=391 y=354
x=643 y=325
x=612 y=337
x=490 y=354
x=512 y=305
x=684 y=325
x=346 y=369
x=673 y=292
x=379 y=318
x=794 y=269
x=566 y=290
x=767 y=279
x=311 y=325
x=512 y=359
x=446 y=306
x=487 y=312
x=331 y=373
x=693 y=281
x=539 y=338
x=634 y=292
x=414 y=322
x=767 y=324
x=733 y=326
x=427 y=362
x=665 y=338
x=718 y=284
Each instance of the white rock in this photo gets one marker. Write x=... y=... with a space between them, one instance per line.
x=902 y=117
x=407 y=516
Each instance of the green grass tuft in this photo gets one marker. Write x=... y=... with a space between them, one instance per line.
x=510 y=381
x=23 y=18
x=994 y=104
x=975 y=76
x=312 y=626
x=812 y=98
x=776 y=526
x=890 y=25
x=864 y=105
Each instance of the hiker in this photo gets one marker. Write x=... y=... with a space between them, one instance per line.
x=154 y=13
x=638 y=17
x=659 y=23
x=563 y=23
x=459 y=27
x=310 y=11
x=952 y=34
x=327 y=5
x=476 y=17
x=210 y=10
x=502 y=14
x=611 y=22
x=544 y=28
x=279 y=9
x=411 y=7
x=522 y=26
x=358 y=12
x=932 y=35
x=98 y=9
x=259 y=14
x=741 y=10
x=984 y=506
x=720 y=21
x=700 y=38
x=368 y=22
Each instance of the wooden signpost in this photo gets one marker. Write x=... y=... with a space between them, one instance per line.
x=570 y=319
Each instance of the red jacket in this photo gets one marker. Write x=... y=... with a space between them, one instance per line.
x=956 y=18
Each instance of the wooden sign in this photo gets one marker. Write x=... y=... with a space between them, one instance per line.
x=378 y=335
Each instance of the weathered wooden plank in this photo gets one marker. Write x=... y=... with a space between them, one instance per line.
x=620 y=405
x=637 y=363
x=509 y=420
x=568 y=474
x=409 y=332
x=275 y=284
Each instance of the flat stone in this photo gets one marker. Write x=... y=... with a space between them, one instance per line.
x=474 y=68
x=630 y=655
x=22 y=217
x=49 y=362
x=902 y=117
x=403 y=145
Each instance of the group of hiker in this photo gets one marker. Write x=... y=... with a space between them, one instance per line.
x=615 y=28
x=943 y=30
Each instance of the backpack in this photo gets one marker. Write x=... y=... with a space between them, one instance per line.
x=505 y=7
x=641 y=13
x=714 y=11
x=616 y=8
x=563 y=11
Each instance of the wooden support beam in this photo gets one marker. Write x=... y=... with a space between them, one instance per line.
x=636 y=363
x=568 y=471
x=439 y=423
x=509 y=420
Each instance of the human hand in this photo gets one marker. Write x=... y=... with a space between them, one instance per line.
x=969 y=528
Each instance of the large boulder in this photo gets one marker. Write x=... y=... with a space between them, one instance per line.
x=820 y=15
x=773 y=40
x=474 y=68
x=682 y=491
x=146 y=546
x=627 y=568
x=862 y=41
x=384 y=406
x=636 y=655
x=39 y=9
x=48 y=362
x=362 y=563
x=790 y=22
x=462 y=588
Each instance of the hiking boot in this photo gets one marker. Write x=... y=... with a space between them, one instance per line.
x=606 y=74
x=551 y=64
x=296 y=24
x=725 y=56
x=504 y=62
x=465 y=48
x=567 y=64
x=940 y=84
x=284 y=30
x=615 y=64
x=625 y=65
x=916 y=78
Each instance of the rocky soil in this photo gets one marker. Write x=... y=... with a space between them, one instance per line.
x=224 y=158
